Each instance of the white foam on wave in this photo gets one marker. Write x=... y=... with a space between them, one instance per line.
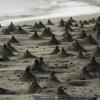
x=21 y=10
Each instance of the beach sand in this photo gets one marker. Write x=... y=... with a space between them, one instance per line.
x=68 y=69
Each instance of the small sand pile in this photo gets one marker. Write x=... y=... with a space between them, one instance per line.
x=20 y=30
x=35 y=36
x=92 y=68
x=6 y=31
x=63 y=53
x=62 y=95
x=28 y=76
x=27 y=54
x=83 y=35
x=10 y=47
x=6 y=51
x=80 y=55
x=68 y=26
x=53 y=77
x=47 y=33
x=61 y=23
x=35 y=87
x=41 y=25
x=91 y=40
x=37 y=66
x=4 y=58
x=97 y=52
x=77 y=47
x=56 y=50
x=53 y=41
x=13 y=40
x=49 y=22
x=98 y=34
x=67 y=37
x=11 y=27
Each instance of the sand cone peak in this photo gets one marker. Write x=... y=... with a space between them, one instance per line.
x=6 y=51
x=80 y=55
x=64 y=53
x=6 y=31
x=13 y=40
x=56 y=50
x=53 y=41
x=27 y=54
x=49 y=22
x=11 y=27
x=53 y=77
x=35 y=87
x=91 y=40
x=67 y=37
x=28 y=76
x=37 y=67
x=62 y=95
x=83 y=34
x=4 y=58
x=20 y=30
x=77 y=47
x=71 y=19
x=61 y=23
x=11 y=47
x=41 y=25
x=47 y=32
x=35 y=36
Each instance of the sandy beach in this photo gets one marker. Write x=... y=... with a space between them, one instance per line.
x=51 y=58
x=67 y=64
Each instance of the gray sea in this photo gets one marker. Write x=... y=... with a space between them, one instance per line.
x=20 y=10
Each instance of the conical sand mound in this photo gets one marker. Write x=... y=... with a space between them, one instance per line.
x=62 y=95
x=67 y=37
x=10 y=47
x=13 y=40
x=83 y=35
x=4 y=58
x=11 y=27
x=56 y=50
x=68 y=27
x=6 y=31
x=61 y=23
x=53 y=41
x=27 y=54
x=97 y=52
x=80 y=55
x=98 y=34
x=20 y=30
x=77 y=47
x=53 y=77
x=41 y=25
x=63 y=53
x=92 y=68
x=47 y=33
x=49 y=22
x=6 y=51
x=35 y=36
x=28 y=76
x=35 y=87
x=37 y=66
x=91 y=40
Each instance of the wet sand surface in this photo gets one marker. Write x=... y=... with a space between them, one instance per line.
x=67 y=65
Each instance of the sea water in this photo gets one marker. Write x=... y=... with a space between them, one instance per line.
x=21 y=10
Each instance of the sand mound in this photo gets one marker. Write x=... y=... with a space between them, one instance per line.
x=28 y=76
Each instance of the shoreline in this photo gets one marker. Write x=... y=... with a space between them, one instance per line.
x=79 y=17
